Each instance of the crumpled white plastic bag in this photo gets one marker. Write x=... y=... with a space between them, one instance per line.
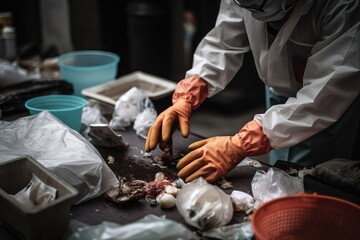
x=149 y=227
x=134 y=106
x=144 y=121
x=203 y=205
x=242 y=201
x=273 y=184
x=60 y=149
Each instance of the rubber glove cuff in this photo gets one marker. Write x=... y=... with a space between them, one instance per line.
x=192 y=90
x=253 y=140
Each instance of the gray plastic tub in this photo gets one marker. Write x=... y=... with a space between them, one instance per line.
x=50 y=221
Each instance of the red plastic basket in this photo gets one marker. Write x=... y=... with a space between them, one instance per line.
x=307 y=216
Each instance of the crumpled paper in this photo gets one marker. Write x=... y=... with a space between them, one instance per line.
x=60 y=149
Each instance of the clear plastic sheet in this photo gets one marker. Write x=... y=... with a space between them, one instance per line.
x=273 y=184
x=60 y=149
x=203 y=205
x=149 y=227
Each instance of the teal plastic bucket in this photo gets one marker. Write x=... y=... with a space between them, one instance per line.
x=67 y=108
x=88 y=68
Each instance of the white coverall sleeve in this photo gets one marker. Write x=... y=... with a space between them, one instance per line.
x=219 y=55
x=331 y=80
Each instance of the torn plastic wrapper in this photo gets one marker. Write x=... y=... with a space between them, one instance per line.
x=60 y=149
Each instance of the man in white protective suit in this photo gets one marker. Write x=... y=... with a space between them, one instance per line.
x=307 y=54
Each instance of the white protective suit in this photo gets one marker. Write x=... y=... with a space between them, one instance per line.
x=314 y=61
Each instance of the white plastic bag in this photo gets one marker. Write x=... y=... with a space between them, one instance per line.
x=60 y=149
x=144 y=121
x=128 y=106
x=134 y=106
x=273 y=184
x=203 y=205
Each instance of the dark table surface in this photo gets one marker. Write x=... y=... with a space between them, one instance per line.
x=132 y=162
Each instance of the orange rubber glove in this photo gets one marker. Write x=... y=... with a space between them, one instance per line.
x=212 y=158
x=188 y=95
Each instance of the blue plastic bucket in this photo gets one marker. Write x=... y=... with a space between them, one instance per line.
x=67 y=108
x=88 y=68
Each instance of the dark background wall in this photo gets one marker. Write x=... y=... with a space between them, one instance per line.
x=148 y=35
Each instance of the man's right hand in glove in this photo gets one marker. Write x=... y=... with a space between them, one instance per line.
x=212 y=158
x=188 y=95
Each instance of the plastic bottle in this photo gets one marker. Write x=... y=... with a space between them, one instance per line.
x=9 y=43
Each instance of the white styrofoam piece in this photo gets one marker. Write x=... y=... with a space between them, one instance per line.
x=155 y=87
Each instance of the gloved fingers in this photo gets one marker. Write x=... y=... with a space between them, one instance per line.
x=213 y=177
x=165 y=144
x=152 y=138
x=188 y=158
x=204 y=172
x=167 y=126
x=147 y=142
x=190 y=168
x=199 y=144
x=184 y=126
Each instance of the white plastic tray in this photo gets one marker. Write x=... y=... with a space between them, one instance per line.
x=155 y=87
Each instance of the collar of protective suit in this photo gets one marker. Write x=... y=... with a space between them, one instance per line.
x=276 y=53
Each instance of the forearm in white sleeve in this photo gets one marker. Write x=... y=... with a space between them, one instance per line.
x=219 y=55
